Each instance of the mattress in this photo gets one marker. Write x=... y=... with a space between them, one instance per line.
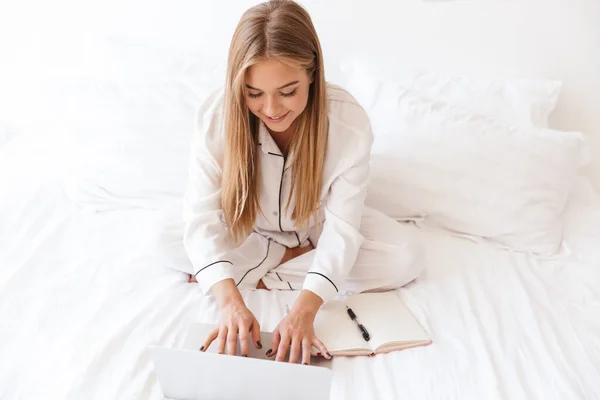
x=83 y=295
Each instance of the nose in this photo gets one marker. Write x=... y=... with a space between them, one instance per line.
x=271 y=106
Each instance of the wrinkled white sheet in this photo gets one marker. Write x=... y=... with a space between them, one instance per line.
x=82 y=297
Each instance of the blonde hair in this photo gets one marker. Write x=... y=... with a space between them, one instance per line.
x=280 y=30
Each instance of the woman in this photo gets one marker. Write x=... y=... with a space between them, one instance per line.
x=278 y=179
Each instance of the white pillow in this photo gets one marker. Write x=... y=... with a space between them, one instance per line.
x=522 y=102
x=470 y=174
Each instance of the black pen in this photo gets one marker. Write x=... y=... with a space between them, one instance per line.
x=361 y=327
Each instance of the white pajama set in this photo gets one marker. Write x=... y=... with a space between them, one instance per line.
x=357 y=249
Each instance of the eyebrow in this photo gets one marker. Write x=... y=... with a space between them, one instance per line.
x=279 y=88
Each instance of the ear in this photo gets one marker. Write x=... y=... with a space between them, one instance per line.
x=312 y=77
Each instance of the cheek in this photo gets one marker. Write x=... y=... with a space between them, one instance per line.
x=253 y=106
x=298 y=103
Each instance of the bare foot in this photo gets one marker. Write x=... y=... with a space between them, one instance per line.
x=261 y=285
x=192 y=279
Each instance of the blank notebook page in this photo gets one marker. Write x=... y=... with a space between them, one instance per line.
x=336 y=330
x=386 y=318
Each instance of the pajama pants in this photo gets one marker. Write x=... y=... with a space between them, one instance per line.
x=390 y=256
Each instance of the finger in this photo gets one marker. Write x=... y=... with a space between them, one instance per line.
x=222 y=339
x=244 y=338
x=283 y=347
x=232 y=340
x=211 y=337
x=322 y=349
x=306 y=349
x=295 y=350
x=276 y=338
x=255 y=330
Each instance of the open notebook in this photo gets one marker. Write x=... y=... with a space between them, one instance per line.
x=389 y=324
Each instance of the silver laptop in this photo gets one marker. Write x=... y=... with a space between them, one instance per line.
x=188 y=374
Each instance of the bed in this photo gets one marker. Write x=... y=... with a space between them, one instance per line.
x=82 y=298
x=84 y=289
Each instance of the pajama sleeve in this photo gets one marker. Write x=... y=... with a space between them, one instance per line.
x=341 y=239
x=205 y=232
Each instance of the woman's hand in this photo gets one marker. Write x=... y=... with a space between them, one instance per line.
x=295 y=333
x=236 y=319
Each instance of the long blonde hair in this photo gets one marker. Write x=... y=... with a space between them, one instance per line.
x=281 y=30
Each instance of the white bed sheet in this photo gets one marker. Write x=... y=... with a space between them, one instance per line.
x=82 y=298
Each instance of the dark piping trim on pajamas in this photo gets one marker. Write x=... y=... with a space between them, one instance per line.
x=276 y=273
x=263 y=260
x=318 y=273
x=216 y=262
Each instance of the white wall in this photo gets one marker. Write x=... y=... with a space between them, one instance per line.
x=555 y=39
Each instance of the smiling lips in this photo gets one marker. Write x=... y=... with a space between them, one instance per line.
x=277 y=119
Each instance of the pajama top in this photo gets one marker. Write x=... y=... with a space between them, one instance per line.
x=343 y=192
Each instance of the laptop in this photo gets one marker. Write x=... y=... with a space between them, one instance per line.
x=188 y=374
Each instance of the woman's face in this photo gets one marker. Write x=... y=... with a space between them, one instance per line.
x=277 y=93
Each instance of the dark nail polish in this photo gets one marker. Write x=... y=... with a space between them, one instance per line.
x=269 y=352
x=305 y=364
x=244 y=355
x=328 y=355
x=259 y=345
x=201 y=348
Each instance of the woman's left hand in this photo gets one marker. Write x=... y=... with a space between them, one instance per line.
x=296 y=334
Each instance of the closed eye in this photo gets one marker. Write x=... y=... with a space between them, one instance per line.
x=290 y=94
x=257 y=95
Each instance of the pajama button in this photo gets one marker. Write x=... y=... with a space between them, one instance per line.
x=275 y=213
